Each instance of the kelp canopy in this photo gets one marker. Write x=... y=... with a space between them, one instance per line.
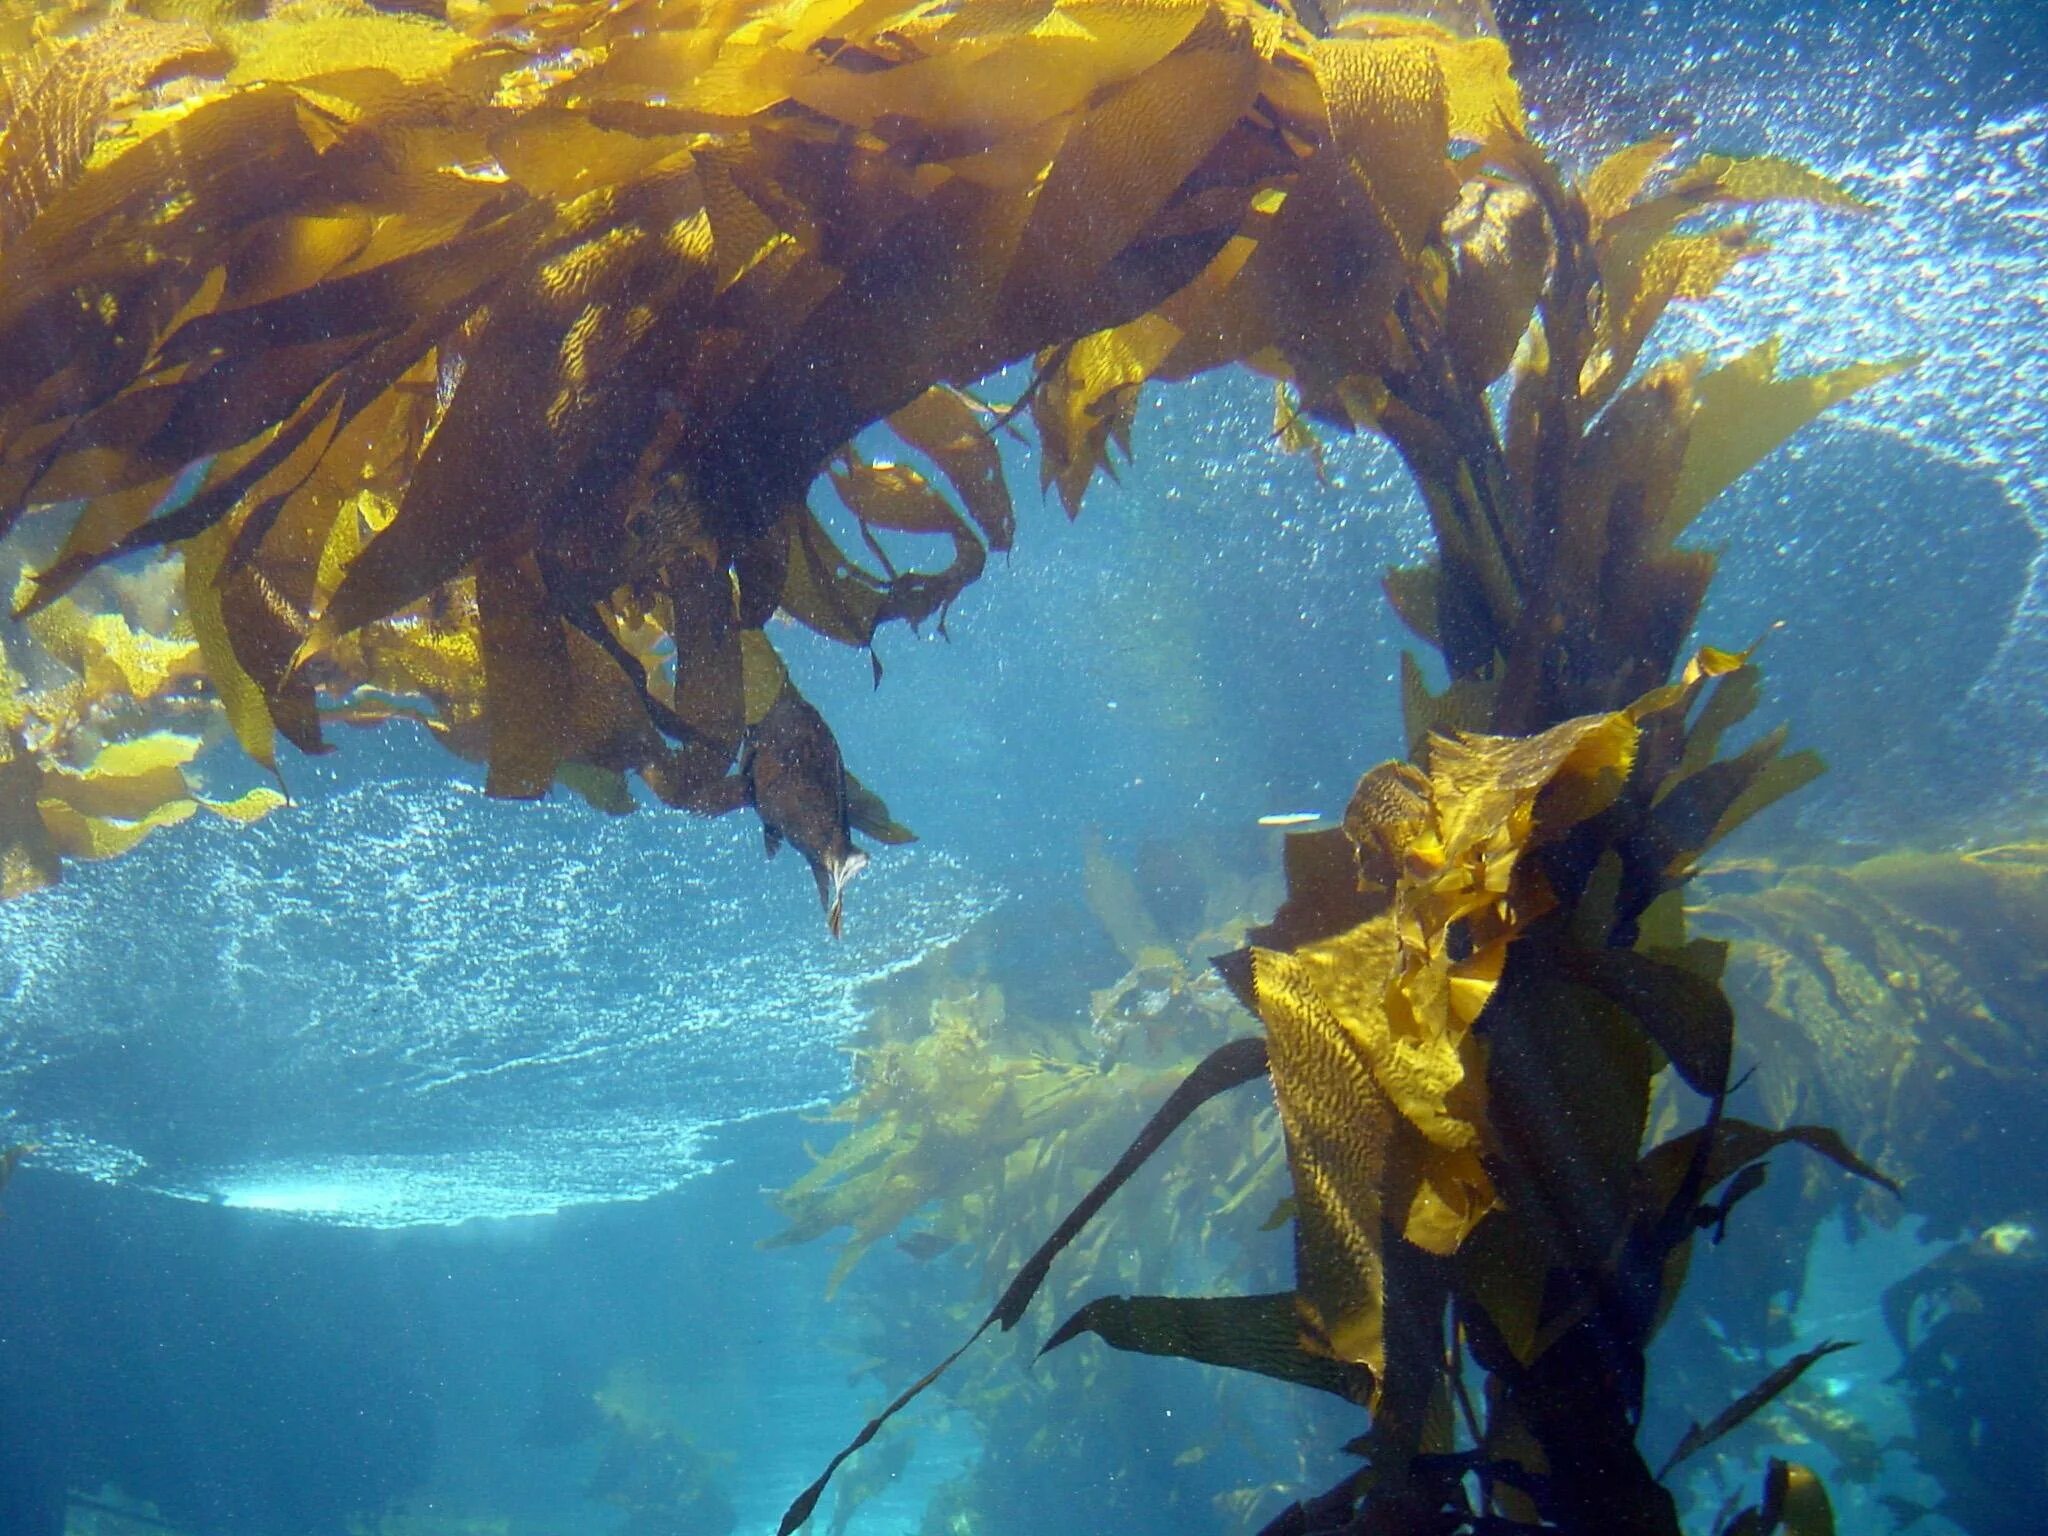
x=480 y=368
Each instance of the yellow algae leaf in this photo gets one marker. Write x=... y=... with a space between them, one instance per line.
x=241 y=697
x=299 y=42
x=1745 y=410
x=1292 y=431
x=295 y=253
x=135 y=661
x=79 y=836
x=57 y=96
x=1762 y=179
x=345 y=538
x=14 y=703
x=1483 y=784
x=1453 y=1195
x=248 y=807
x=1501 y=249
x=1087 y=402
x=140 y=756
x=126 y=781
x=1413 y=1051
x=1480 y=91
x=892 y=496
x=762 y=675
x=1616 y=181
x=28 y=858
x=944 y=426
x=995 y=91
x=1388 y=116
x=1340 y=1129
x=1478 y=71
x=1124 y=160
x=1642 y=274
x=1382 y=1108
x=562 y=154
x=528 y=684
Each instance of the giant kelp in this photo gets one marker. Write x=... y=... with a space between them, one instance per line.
x=1902 y=998
x=984 y=1120
x=1475 y=981
x=90 y=763
x=978 y=1116
x=482 y=372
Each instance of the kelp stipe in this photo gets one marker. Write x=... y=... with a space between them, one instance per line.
x=1474 y=982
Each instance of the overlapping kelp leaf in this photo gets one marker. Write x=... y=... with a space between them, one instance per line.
x=1904 y=999
x=88 y=765
x=462 y=356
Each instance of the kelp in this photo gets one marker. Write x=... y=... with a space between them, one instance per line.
x=1966 y=1326
x=1752 y=1402
x=978 y=1121
x=1475 y=982
x=483 y=374
x=88 y=767
x=978 y=1117
x=1904 y=999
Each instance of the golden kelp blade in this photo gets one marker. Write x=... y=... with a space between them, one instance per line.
x=537 y=336
x=1379 y=1078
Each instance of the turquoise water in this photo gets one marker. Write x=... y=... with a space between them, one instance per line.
x=407 y=1156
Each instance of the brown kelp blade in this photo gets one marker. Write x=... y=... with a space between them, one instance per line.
x=1758 y=1397
x=1228 y=1066
x=1261 y=1334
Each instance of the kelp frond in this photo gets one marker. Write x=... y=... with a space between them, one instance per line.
x=512 y=354
x=1475 y=981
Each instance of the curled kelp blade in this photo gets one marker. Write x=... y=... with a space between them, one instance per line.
x=1228 y=1066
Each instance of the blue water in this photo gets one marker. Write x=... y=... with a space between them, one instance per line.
x=387 y=1138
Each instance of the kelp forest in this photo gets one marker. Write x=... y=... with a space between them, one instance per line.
x=534 y=377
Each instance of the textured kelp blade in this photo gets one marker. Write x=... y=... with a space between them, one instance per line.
x=1758 y=1397
x=1745 y=410
x=28 y=861
x=127 y=780
x=79 y=836
x=1762 y=179
x=1341 y=1133
x=1228 y=1066
x=1614 y=183
x=56 y=97
x=1261 y=1334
